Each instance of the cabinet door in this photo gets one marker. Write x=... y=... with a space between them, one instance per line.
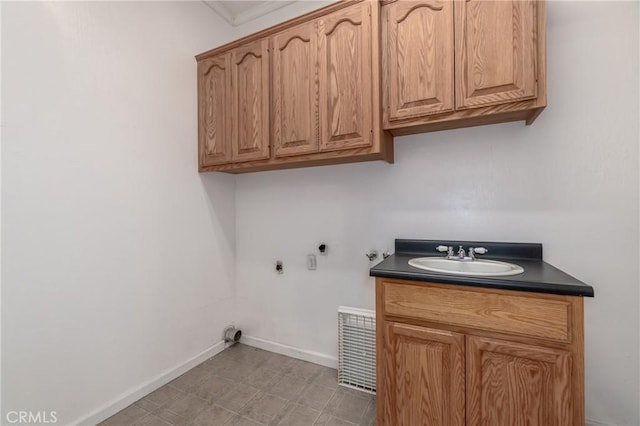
x=214 y=118
x=417 y=58
x=425 y=376
x=512 y=384
x=345 y=78
x=295 y=90
x=495 y=51
x=250 y=86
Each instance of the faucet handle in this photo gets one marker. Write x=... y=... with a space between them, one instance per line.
x=477 y=250
x=448 y=249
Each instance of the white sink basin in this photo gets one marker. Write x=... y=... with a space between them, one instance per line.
x=478 y=267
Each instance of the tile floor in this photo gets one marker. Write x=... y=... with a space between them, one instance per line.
x=247 y=386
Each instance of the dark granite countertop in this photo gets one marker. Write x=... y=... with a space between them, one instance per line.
x=538 y=276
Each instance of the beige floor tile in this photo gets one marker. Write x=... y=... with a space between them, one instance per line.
x=329 y=420
x=164 y=395
x=263 y=378
x=126 y=417
x=238 y=420
x=188 y=407
x=151 y=420
x=289 y=387
x=213 y=416
x=237 y=397
x=328 y=377
x=264 y=408
x=267 y=380
x=147 y=405
x=213 y=388
x=348 y=406
x=277 y=362
x=369 y=416
x=316 y=396
x=299 y=415
x=189 y=380
x=302 y=369
x=172 y=418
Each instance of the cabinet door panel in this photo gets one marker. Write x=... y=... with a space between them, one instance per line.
x=495 y=51
x=425 y=377
x=345 y=78
x=418 y=58
x=295 y=88
x=250 y=85
x=513 y=384
x=214 y=119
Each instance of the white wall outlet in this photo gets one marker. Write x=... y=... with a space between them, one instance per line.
x=311 y=262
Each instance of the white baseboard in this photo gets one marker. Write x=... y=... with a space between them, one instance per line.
x=162 y=379
x=596 y=423
x=293 y=352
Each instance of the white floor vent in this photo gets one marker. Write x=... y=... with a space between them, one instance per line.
x=357 y=348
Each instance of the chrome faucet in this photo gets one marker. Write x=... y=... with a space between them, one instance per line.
x=461 y=253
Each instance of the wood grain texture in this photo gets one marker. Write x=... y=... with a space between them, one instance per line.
x=541 y=69
x=523 y=379
x=496 y=51
x=481 y=309
x=287 y=134
x=214 y=120
x=250 y=101
x=345 y=78
x=499 y=113
x=511 y=384
x=417 y=60
x=427 y=376
x=304 y=160
x=382 y=139
x=384 y=364
x=268 y=32
x=294 y=103
x=577 y=358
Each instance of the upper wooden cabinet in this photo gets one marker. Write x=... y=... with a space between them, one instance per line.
x=250 y=101
x=495 y=52
x=334 y=85
x=345 y=78
x=303 y=93
x=497 y=49
x=417 y=58
x=214 y=118
x=295 y=91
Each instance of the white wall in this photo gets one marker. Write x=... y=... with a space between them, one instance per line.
x=570 y=181
x=118 y=256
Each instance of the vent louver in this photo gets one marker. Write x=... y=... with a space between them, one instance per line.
x=357 y=349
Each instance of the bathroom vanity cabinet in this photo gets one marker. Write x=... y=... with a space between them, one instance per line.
x=464 y=355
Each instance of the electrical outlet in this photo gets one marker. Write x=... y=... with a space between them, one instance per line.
x=311 y=262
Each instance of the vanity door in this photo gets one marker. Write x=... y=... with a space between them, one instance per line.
x=422 y=376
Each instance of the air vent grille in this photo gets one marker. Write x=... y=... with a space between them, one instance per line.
x=357 y=349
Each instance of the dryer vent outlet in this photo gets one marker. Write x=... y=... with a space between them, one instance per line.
x=232 y=335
